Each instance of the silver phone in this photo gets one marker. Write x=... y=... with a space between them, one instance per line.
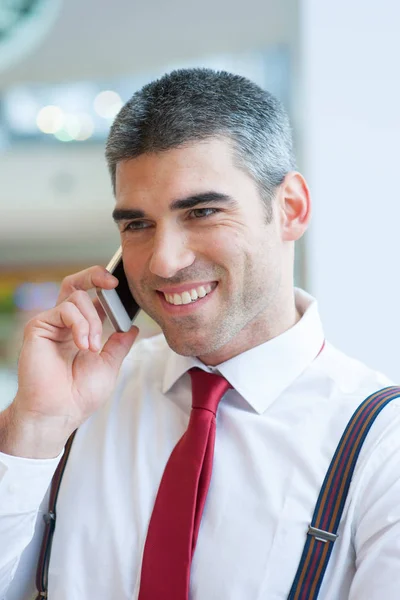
x=119 y=304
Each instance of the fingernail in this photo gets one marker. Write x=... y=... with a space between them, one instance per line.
x=97 y=342
x=85 y=341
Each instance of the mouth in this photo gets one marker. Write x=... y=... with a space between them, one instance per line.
x=180 y=299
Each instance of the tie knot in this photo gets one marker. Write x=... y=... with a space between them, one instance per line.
x=207 y=389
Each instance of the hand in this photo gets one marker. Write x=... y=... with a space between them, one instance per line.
x=63 y=374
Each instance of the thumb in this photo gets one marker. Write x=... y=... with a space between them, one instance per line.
x=118 y=346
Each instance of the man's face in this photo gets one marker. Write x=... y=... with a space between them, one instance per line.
x=198 y=254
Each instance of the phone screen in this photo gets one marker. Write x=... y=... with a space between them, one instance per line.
x=124 y=292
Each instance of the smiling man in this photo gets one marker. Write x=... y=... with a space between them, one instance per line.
x=199 y=454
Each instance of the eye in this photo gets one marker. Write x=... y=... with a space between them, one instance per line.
x=135 y=226
x=199 y=213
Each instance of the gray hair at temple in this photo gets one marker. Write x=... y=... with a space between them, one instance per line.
x=190 y=105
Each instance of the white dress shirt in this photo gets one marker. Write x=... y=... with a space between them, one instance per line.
x=277 y=431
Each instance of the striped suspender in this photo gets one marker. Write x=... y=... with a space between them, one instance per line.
x=50 y=521
x=322 y=532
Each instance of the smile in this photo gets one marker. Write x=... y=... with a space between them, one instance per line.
x=189 y=296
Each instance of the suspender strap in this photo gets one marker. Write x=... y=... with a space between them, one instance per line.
x=50 y=523
x=322 y=532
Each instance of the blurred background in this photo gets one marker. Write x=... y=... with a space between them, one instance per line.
x=66 y=68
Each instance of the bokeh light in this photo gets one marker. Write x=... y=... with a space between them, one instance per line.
x=50 y=119
x=107 y=104
x=36 y=296
x=86 y=128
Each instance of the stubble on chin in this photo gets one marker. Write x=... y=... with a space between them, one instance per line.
x=190 y=340
x=199 y=339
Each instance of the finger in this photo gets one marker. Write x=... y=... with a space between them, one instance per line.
x=85 y=305
x=117 y=347
x=72 y=317
x=53 y=323
x=86 y=280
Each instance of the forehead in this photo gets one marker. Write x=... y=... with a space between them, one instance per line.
x=193 y=168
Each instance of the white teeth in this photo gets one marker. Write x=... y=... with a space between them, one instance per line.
x=188 y=296
x=186 y=299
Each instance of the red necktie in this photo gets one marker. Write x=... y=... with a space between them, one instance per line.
x=175 y=521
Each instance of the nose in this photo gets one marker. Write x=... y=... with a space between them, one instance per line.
x=170 y=253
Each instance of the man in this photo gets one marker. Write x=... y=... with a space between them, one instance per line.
x=208 y=205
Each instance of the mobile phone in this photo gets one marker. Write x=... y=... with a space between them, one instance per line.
x=118 y=304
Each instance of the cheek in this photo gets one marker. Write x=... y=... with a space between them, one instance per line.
x=134 y=263
x=226 y=248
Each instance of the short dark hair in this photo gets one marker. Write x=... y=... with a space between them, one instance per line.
x=189 y=105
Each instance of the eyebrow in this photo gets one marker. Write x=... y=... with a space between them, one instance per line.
x=124 y=214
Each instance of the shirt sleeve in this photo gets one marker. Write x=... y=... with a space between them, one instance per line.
x=377 y=523
x=23 y=485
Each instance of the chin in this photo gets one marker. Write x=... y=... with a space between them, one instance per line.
x=194 y=345
x=187 y=347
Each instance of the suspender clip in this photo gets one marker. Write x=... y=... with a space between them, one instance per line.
x=321 y=535
x=49 y=517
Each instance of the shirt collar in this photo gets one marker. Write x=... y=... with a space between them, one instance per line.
x=262 y=373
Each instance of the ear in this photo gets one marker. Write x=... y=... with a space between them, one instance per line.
x=294 y=206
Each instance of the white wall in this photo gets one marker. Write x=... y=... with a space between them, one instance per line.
x=350 y=135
